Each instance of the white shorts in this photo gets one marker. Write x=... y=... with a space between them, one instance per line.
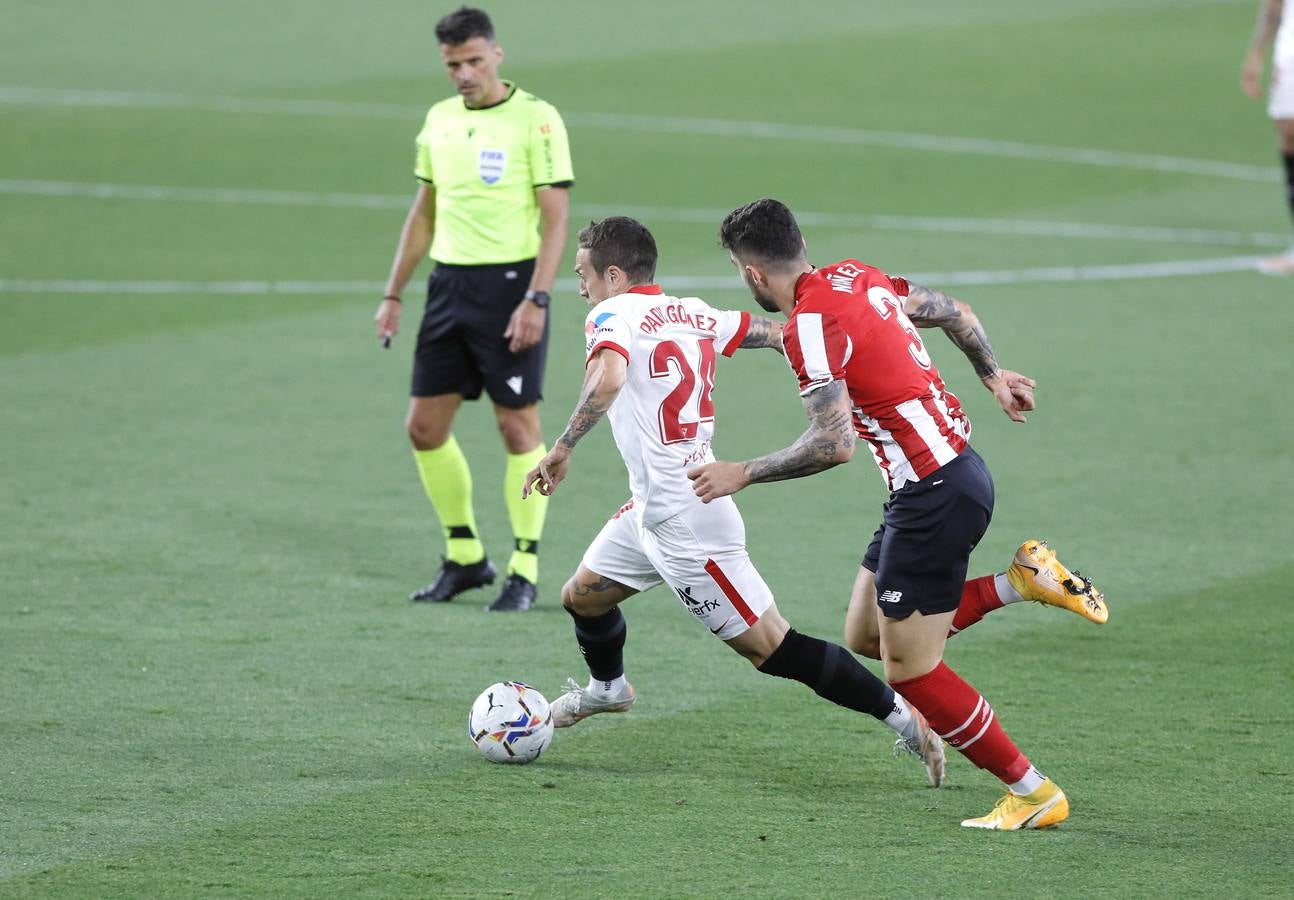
x=700 y=553
x=1280 y=102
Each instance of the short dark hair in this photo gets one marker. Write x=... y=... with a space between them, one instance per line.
x=764 y=229
x=463 y=24
x=623 y=242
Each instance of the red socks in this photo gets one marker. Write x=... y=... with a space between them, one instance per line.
x=964 y=719
x=979 y=598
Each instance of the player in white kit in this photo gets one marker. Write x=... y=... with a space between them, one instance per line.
x=650 y=369
x=1276 y=21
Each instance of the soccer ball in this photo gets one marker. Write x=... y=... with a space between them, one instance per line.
x=510 y=723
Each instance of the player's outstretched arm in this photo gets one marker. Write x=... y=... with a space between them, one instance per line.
x=828 y=442
x=603 y=379
x=763 y=333
x=932 y=309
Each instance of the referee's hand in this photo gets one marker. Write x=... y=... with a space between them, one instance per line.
x=526 y=327
x=387 y=318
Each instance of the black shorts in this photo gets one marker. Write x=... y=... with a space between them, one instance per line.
x=922 y=549
x=461 y=348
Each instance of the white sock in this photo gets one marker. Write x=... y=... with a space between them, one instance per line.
x=605 y=690
x=902 y=720
x=1005 y=592
x=1031 y=781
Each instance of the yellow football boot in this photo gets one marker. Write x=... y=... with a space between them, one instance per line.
x=1046 y=807
x=1037 y=575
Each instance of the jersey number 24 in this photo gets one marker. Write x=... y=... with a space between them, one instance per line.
x=670 y=416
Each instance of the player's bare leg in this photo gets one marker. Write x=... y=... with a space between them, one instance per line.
x=913 y=652
x=1284 y=264
x=774 y=648
x=862 y=631
x=593 y=602
x=523 y=440
x=448 y=482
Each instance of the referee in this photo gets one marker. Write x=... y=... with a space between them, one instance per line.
x=494 y=168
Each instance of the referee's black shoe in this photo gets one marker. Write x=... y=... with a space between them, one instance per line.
x=455 y=578
x=518 y=595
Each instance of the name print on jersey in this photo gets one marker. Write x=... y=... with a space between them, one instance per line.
x=675 y=314
x=843 y=278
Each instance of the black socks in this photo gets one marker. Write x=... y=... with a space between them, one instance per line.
x=832 y=672
x=1289 y=179
x=602 y=641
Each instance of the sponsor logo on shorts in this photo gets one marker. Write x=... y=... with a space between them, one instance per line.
x=698 y=607
x=890 y=596
x=515 y=383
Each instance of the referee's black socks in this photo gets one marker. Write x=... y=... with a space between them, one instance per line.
x=832 y=672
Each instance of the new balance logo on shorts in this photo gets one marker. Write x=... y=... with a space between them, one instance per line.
x=890 y=596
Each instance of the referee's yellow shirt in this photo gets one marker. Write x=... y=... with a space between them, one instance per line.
x=485 y=165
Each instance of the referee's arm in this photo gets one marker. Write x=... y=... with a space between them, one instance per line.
x=526 y=328
x=415 y=241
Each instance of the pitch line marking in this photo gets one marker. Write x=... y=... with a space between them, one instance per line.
x=1050 y=274
x=818 y=134
x=953 y=225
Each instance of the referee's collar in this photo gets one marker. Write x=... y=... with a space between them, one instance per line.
x=512 y=90
x=645 y=289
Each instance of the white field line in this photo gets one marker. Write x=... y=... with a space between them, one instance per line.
x=817 y=134
x=651 y=214
x=1052 y=274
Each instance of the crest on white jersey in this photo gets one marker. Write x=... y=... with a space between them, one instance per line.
x=491 y=165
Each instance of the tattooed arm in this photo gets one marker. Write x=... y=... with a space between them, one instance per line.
x=603 y=379
x=828 y=442
x=1269 y=20
x=763 y=333
x=932 y=309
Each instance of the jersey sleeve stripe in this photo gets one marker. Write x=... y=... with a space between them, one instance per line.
x=813 y=349
x=556 y=184
x=608 y=345
x=730 y=591
x=740 y=335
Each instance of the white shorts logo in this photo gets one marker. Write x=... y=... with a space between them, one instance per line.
x=890 y=596
x=490 y=164
x=515 y=383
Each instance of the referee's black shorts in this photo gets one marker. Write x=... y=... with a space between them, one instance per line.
x=461 y=348
x=922 y=549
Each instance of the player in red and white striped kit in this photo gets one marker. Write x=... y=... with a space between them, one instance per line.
x=851 y=339
x=650 y=371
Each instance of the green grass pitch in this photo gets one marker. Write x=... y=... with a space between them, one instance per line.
x=212 y=682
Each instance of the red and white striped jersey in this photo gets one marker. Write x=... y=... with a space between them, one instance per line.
x=848 y=324
x=663 y=418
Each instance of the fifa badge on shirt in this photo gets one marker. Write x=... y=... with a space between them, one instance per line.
x=490 y=164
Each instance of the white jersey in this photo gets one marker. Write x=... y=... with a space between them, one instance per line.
x=663 y=419
x=1283 y=49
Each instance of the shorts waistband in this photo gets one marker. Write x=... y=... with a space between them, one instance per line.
x=484 y=267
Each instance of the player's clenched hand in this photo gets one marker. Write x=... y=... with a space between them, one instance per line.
x=1013 y=391
x=550 y=472
x=388 y=320
x=717 y=479
x=526 y=326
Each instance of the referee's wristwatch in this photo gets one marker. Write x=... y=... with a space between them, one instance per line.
x=539 y=298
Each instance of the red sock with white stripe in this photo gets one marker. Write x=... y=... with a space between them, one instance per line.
x=980 y=596
x=967 y=723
